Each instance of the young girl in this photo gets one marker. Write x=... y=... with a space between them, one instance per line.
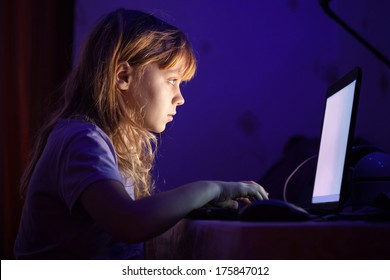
x=88 y=185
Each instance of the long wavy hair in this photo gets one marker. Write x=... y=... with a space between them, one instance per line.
x=90 y=90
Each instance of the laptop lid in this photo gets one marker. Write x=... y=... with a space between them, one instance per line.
x=336 y=141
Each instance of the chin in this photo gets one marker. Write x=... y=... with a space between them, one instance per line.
x=157 y=129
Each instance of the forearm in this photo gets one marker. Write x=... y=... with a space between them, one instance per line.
x=134 y=221
x=159 y=212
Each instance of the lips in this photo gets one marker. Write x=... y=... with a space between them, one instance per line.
x=170 y=116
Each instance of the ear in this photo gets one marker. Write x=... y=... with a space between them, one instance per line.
x=124 y=75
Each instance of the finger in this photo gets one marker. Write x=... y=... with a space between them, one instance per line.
x=244 y=200
x=254 y=198
x=252 y=191
x=263 y=193
x=227 y=204
x=255 y=195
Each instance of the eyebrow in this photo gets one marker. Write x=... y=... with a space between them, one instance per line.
x=174 y=71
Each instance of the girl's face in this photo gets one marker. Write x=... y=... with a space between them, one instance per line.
x=158 y=95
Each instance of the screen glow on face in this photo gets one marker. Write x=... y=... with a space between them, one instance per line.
x=333 y=147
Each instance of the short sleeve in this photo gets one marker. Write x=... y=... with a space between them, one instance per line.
x=87 y=157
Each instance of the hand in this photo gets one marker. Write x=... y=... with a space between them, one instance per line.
x=232 y=192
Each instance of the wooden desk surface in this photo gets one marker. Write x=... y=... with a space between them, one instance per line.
x=199 y=239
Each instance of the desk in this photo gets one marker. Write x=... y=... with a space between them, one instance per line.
x=202 y=239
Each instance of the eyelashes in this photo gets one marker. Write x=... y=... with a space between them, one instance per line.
x=177 y=82
x=173 y=81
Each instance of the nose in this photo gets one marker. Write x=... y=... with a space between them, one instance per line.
x=178 y=99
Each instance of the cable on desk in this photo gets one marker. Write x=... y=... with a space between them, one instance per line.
x=292 y=174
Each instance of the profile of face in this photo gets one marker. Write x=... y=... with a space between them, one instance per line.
x=157 y=93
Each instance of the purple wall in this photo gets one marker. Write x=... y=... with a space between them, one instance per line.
x=264 y=67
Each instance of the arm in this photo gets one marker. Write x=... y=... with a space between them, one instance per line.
x=132 y=221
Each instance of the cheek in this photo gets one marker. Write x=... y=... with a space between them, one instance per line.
x=152 y=98
x=154 y=107
x=140 y=97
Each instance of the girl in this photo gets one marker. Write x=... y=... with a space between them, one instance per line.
x=88 y=185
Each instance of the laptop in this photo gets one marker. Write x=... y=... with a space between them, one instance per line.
x=330 y=188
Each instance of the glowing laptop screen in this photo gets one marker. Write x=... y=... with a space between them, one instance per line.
x=334 y=145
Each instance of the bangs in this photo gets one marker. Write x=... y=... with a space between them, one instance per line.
x=182 y=53
x=165 y=48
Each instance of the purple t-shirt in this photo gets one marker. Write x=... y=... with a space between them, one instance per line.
x=53 y=223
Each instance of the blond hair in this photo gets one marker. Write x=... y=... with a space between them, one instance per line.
x=90 y=90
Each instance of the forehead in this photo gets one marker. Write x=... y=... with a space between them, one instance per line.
x=153 y=70
x=178 y=68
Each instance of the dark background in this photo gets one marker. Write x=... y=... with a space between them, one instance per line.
x=264 y=67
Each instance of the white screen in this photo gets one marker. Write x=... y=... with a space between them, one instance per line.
x=334 y=138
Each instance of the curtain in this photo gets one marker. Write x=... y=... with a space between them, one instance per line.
x=36 y=55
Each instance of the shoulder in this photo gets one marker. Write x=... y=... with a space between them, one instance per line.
x=84 y=154
x=76 y=126
x=78 y=131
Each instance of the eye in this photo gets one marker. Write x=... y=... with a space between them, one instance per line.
x=173 y=81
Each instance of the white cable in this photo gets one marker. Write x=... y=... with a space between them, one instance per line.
x=292 y=174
